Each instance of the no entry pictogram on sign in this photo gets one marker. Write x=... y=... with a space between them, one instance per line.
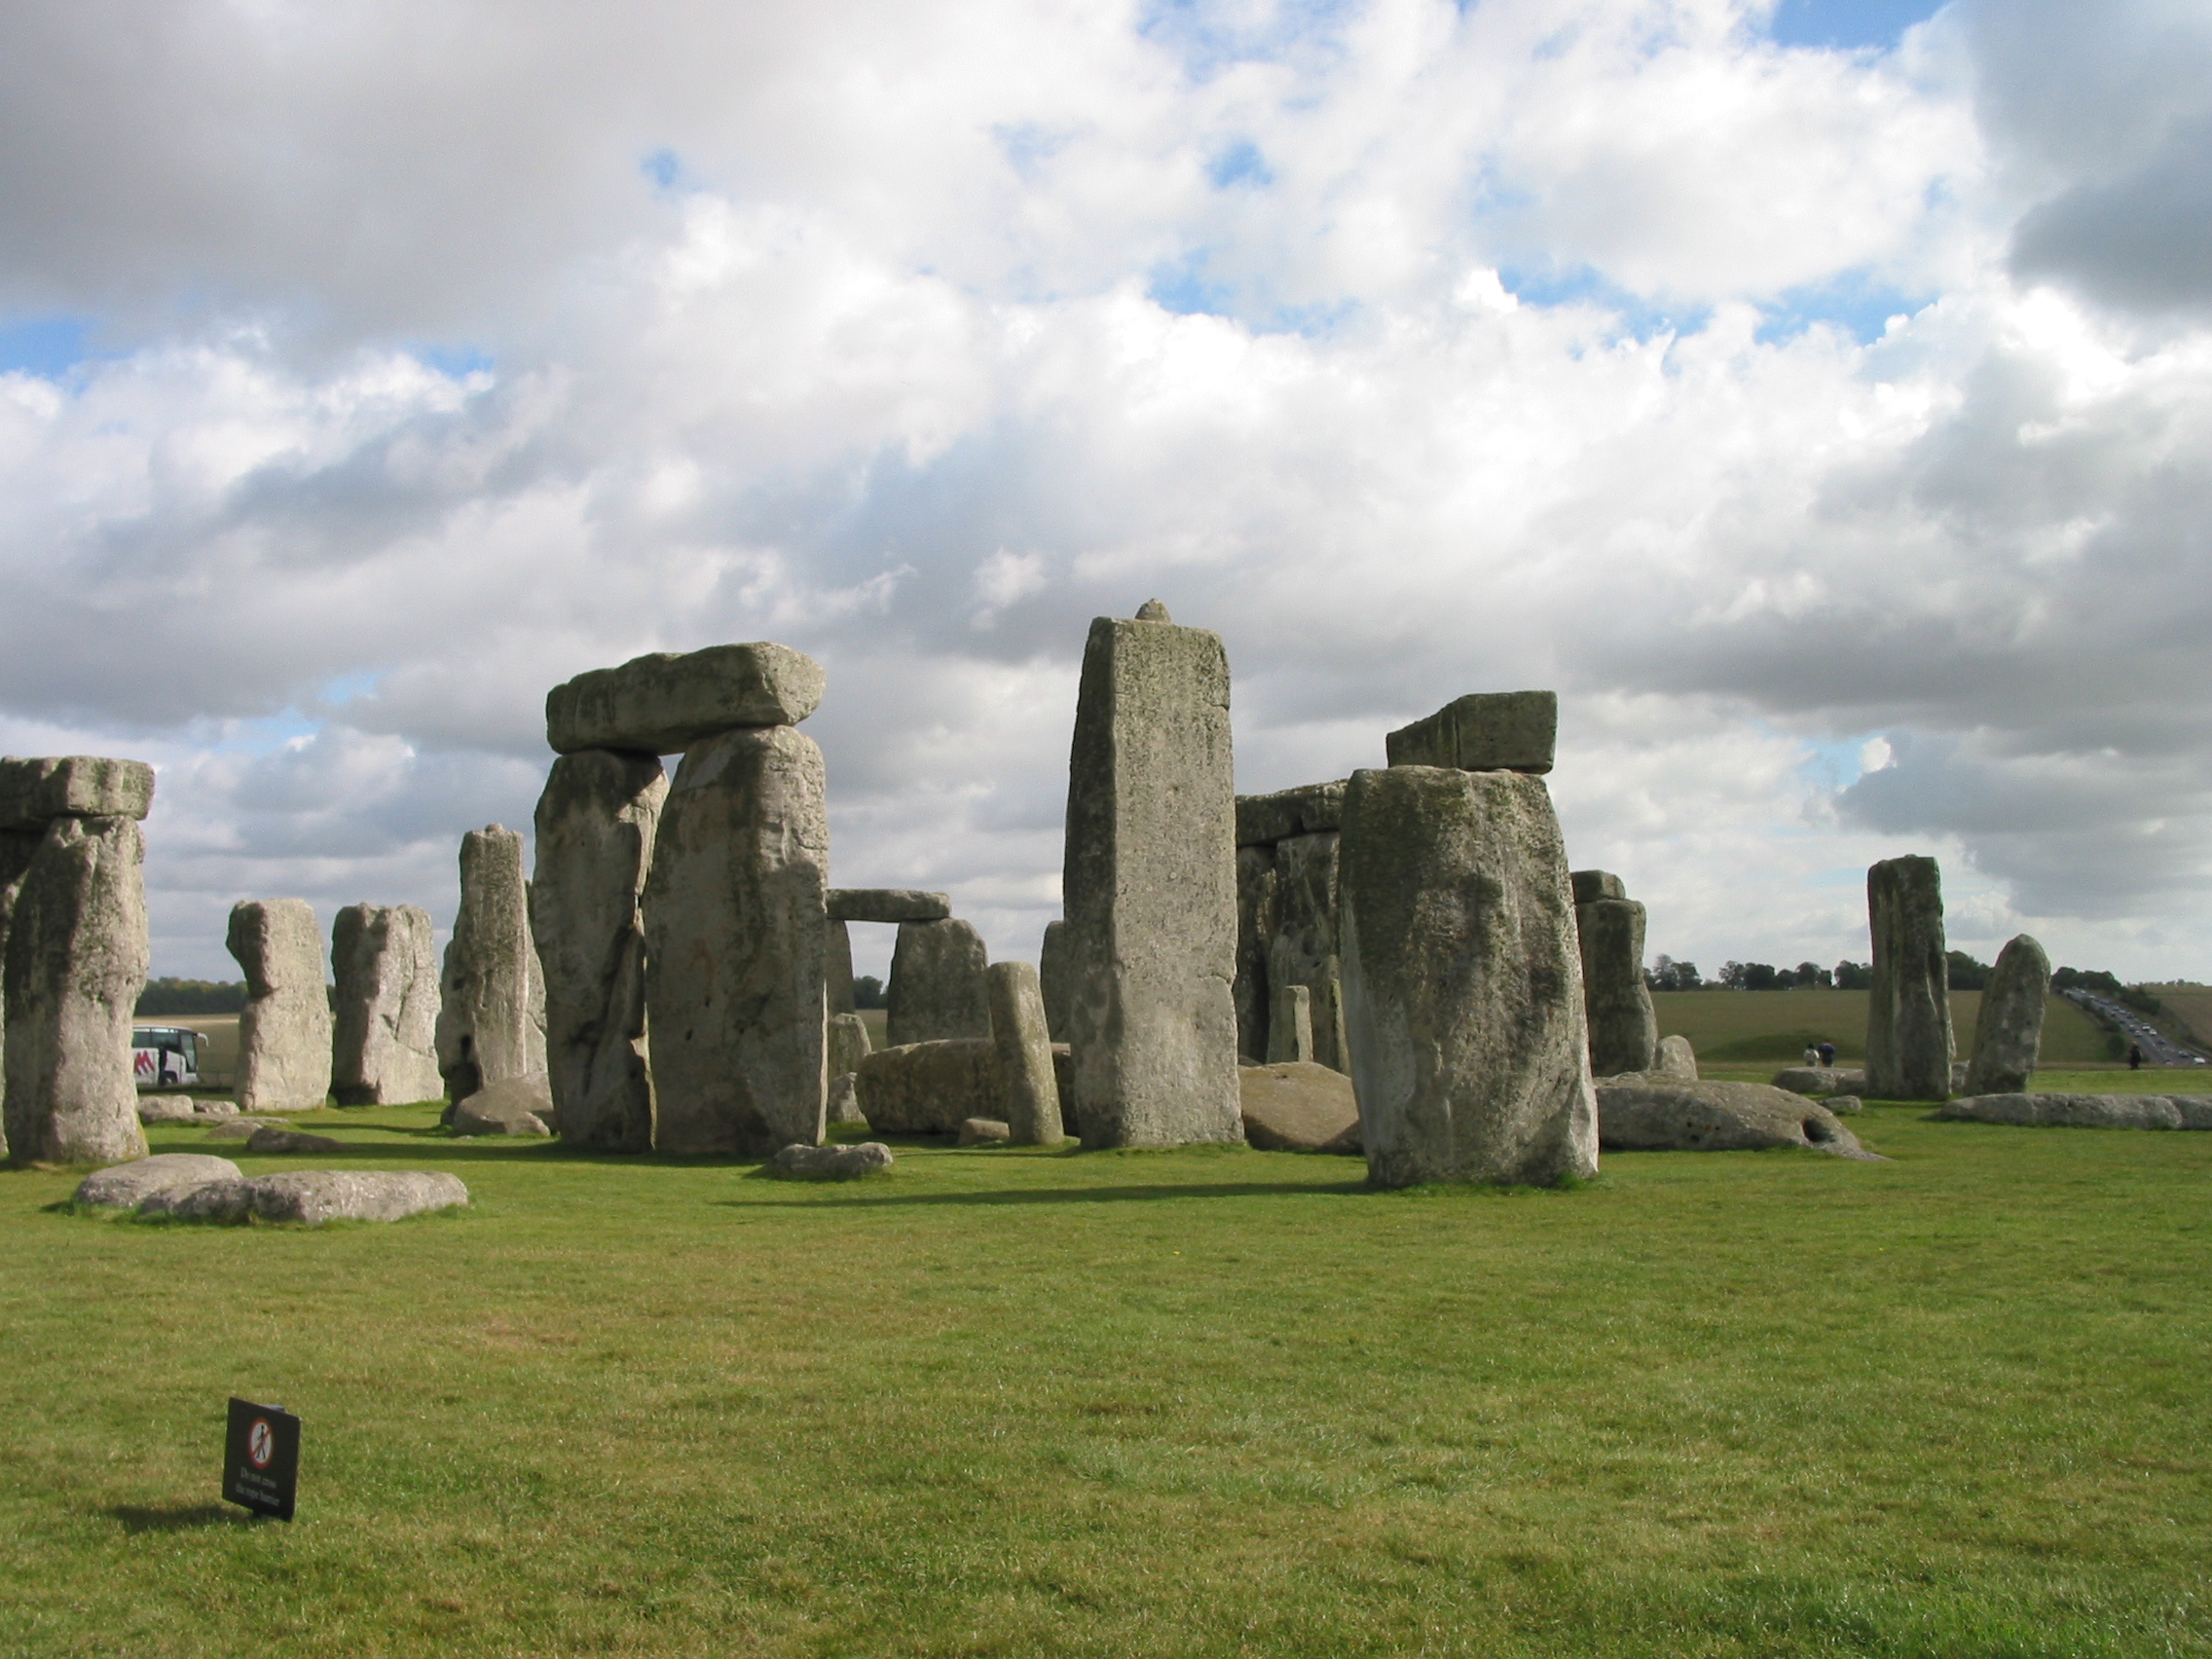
x=261 y=1460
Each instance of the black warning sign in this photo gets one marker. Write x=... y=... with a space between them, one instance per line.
x=261 y=1459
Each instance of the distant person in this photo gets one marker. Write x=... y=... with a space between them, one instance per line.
x=1828 y=1053
x=2134 y=1056
x=1812 y=1054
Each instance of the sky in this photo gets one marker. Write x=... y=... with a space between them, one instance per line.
x=1818 y=395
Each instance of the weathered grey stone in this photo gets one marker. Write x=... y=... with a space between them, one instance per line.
x=1676 y=1057
x=844 y=1104
x=284 y=1032
x=1908 y=1014
x=491 y=994
x=165 y=1109
x=225 y=1200
x=1462 y=981
x=886 y=904
x=239 y=1128
x=1624 y=1028
x=596 y=823
x=1304 y=949
x=667 y=701
x=318 y=1195
x=76 y=962
x=1265 y=819
x=1297 y=1106
x=984 y=1131
x=274 y=1138
x=1063 y=1075
x=214 y=1109
x=2007 y=1036
x=1256 y=888
x=847 y=1043
x=833 y=1163
x=733 y=947
x=1818 y=1080
x=512 y=1106
x=385 y=1028
x=1592 y=885
x=1053 y=981
x=1029 y=1095
x=2083 y=1111
x=1649 y=1115
x=1488 y=732
x=936 y=985
x=924 y=1089
x=124 y=1186
x=1290 y=1026
x=35 y=792
x=16 y=850
x=837 y=969
x=1844 y=1105
x=1150 y=889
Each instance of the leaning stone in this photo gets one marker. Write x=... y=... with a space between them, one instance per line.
x=1675 y=1058
x=167 y=1108
x=491 y=994
x=1592 y=885
x=1304 y=949
x=886 y=904
x=291 y=1142
x=1463 y=980
x=318 y=1195
x=1256 y=889
x=1063 y=1075
x=1054 y=981
x=844 y=1105
x=837 y=969
x=124 y=1186
x=596 y=822
x=1290 y=1026
x=2008 y=1037
x=1909 y=1012
x=1297 y=1106
x=284 y=1032
x=984 y=1131
x=833 y=1163
x=920 y=1088
x=2078 y=1110
x=385 y=1026
x=1311 y=808
x=667 y=702
x=733 y=947
x=1489 y=731
x=1030 y=1094
x=35 y=792
x=937 y=983
x=848 y=1043
x=516 y=1106
x=1648 y=1116
x=75 y=964
x=1150 y=889
x=1624 y=1028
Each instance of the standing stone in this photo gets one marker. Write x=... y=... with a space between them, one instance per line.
x=595 y=844
x=734 y=912
x=847 y=1043
x=1463 y=980
x=2008 y=1037
x=1150 y=886
x=1488 y=732
x=76 y=962
x=1031 y=1097
x=17 y=849
x=936 y=985
x=1909 y=1015
x=1053 y=971
x=1676 y=1057
x=385 y=1048
x=1305 y=950
x=837 y=967
x=491 y=994
x=1290 y=1025
x=284 y=1031
x=1624 y=1027
x=1256 y=889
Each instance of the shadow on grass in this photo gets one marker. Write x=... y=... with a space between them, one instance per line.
x=178 y=1517
x=1052 y=1194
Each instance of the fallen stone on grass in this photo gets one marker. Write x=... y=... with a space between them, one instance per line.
x=921 y=1089
x=124 y=1186
x=210 y=1200
x=518 y=1106
x=270 y=1137
x=984 y=1131
x=1844 y=1105
x=1818 y=1080
x=318 y=1195
x=167 y=1108
x=832 y=1162
x=1650 y=1114
x=1297 y=1106
x=2083 y=1111
x=214 y=1108
x=239 y=1128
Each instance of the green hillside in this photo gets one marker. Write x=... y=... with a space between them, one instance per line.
x=1747 y=1027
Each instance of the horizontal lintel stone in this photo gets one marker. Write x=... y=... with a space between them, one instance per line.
x=664 y=703
x=886 y=904
x=1488 y=732
x=1310 y=809
x=34 y=793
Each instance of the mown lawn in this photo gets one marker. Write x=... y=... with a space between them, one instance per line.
x=1142 y=1403
x=1749 y=1027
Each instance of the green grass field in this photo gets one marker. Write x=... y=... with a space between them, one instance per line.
x=1734 y=1028
x=1228 y=1402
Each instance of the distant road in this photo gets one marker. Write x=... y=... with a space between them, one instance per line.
x=2159 y=1050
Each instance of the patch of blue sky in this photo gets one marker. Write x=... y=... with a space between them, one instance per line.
x=455 y=362
x=48 y=347
x=1241 y=164
x=1854 y=302
x=1185 y=290
x=1027 y=145
x=1835 y=764
x=667 y=172
x=1847 y=25
x=1638 y=317
x=349 y=687
x=267 y=734
x=1210 y=37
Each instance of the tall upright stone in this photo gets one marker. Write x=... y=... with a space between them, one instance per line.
x=734 y=912
x=848 y=1044
x=1624 y=1027
x=491 y=993
x=1463 y=980
x=1305 y=950
x=937 y=988
x=837 y=967
x=1257 y=885
x=1031 y=1095
x=17 y=849
x=285 y=1030
x=2008 y=1037
x=75 y=963
x=385 y=1028
x=1054 y=978
x=1290 y=1025
x=1909 y=1015
x=595 y=824
x=1150 y=887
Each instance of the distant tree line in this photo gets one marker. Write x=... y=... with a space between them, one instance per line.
x=1963 y=971
x=191 y=996
x=868 y=991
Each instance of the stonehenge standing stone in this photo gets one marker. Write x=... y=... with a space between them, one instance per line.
x=1908 y=1014
x=1488 y=732
x=1031 y=1097
x=936 y=985
x=1052 y=979
x=734 y=912
x=1624 y=1027
x=1463 y=980
x=1674 y=1057
x=666 y=702
x=837 y=968
x=1150 y=887
x=1290 y=1025
x=17 y=849
x=1305 y=950
x=848 y=1044
x=594 y=845
x=2008 y=1037
x=384 y=1043
x=284 y=1032
x=76 y=962
x=1256 y=887
x=491 y=994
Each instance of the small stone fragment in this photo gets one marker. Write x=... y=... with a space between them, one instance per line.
x=1290 y=1026
x=833 y=1163
x=886 y=904
x=239 y=1128
x=514 y=1106
x=984 y=1131
x=1675 y=1058
x=167 y=1108
x=273 y=1138
x=845 y=1100
x=1152 y=610
x=284 y=1032
x=1297 y=1106
x=122 y=1186
x=1489 y=731
x=666 y=702
x=1844 y=1105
